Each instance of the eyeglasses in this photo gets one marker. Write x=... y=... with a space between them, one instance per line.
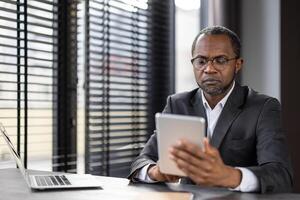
x=219 y=62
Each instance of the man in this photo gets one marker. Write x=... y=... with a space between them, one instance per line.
x=245 y=150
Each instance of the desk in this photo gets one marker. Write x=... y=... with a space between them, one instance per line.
x=13 y=187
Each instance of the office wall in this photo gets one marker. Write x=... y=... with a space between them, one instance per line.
x=185 y=34
x=260 y=35
x=270 y=33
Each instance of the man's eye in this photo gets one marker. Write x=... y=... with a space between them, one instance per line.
x=221 y=60
x=201 y=61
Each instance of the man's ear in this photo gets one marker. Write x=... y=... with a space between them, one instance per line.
x=238 y=65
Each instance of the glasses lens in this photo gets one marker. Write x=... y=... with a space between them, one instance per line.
x=200 y=61
x=221 y=60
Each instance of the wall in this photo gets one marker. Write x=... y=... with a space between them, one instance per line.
x=270 y=32
x=187 y=27
x=260 y=35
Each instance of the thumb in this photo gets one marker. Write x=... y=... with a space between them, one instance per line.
x=207 y=147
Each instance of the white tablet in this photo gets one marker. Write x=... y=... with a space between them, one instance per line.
x=170 y=128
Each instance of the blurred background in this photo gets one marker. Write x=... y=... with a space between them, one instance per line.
x=80 y=80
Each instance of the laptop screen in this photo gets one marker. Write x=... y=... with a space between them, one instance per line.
x=13 y=150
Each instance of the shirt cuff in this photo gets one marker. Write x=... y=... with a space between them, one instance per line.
x=249 y=182
x=143 y=176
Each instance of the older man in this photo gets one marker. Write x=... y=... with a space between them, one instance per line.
x=245 y=149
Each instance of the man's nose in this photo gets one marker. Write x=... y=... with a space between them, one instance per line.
x=209 y=68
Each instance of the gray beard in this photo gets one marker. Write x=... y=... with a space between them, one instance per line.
x=216 y=90
x=213 y=91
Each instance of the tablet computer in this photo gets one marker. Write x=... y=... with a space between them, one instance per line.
x=172 y=127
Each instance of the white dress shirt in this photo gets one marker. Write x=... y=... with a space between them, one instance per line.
x=249 y=182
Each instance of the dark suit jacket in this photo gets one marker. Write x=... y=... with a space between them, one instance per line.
x=247 y=134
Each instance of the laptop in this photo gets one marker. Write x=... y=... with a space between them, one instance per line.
x=47 y=180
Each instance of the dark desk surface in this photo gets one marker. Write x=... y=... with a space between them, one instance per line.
x=13 y=186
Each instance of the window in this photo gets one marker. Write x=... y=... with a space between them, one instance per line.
x=120 y=79
x=27 y=73
x=80 y=81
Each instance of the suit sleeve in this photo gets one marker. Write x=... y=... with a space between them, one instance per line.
x=274 y=169
x=149 y=154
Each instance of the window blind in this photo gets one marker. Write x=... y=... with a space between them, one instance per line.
x=65 y=109
x=27 y=73
x=120 y=76
x=126 y=74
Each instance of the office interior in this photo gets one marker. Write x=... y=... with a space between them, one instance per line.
x=81 y=80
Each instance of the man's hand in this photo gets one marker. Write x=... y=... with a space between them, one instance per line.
x=204 y=166
x=156 y=175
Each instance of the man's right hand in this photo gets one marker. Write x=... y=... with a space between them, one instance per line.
x=155 y=174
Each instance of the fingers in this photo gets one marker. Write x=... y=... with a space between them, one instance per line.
x=190 y=150
x=205 y=144
x=171 y=178
x=185 y=160
x=199 y=180
x=203 y=165
x=155 y=174
x=201 y=177
x=202 y=173
x=190 y=163
x=208 y=148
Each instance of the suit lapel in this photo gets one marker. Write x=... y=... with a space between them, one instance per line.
x=230 y=111
x=197 y=108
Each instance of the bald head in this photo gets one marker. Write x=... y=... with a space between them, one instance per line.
x=220 y=30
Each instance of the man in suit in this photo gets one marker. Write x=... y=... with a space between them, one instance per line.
x=245 y=148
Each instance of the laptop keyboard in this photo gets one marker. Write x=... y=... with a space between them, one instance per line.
x=51 y=180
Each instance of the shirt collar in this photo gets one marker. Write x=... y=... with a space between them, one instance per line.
x=220 y=103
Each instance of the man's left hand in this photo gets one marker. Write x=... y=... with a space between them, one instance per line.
x=204 y=166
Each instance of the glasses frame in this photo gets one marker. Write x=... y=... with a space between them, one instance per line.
x=213 y=62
